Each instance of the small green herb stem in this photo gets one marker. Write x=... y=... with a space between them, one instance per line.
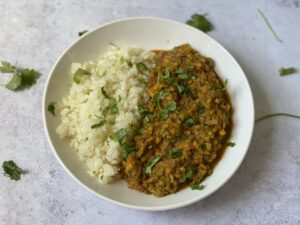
x=274 y=115
x=269 y=25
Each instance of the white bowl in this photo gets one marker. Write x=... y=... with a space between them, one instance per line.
x=150 y=33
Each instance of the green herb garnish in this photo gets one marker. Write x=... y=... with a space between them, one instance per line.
x=190 y=121
x=169 y=108
x=21 y=77
x=217 y=88
x=276 y=114
x=127 y=150
x=119 y=136
x=269 y=25
x=142 y=80
x=183 y=76
x=197 y=186
x=230 y=144
x=82 y=32
x=12 y=170
x=174 y=153
x=79 y=74
x=141 y=67
x=143 y=110
x=172 y=107
x=200 y=22
x=113 y=104
x=151 y=163
x=100 y=124
x=287 y=71
x=187 y=175
x=158 y=97
x=129 y=63
x=7 y=67
x=51 y=108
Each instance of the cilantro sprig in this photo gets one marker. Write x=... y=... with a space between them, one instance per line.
x=21 y=77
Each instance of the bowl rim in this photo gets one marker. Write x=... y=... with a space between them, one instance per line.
x=131 y=206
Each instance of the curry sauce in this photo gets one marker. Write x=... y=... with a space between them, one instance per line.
x=186 y=124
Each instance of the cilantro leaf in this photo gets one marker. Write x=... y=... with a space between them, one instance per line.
x=158 y=97
x=287 y=71
x=174 y=153
x=127 y=150
x=141 y=67
x=172 y=107
x=190 y=121
x=189 y=173
x=230 y=144
x=28 y=77
x=12 y=170
x=151 y=163
x=15 y=82
x=100 y=124
x=51 y=108
x=217 y=88
x=6 y=67
x=197 y=187
x=119 y=136
x=82 y=32
x=142 y=80
x=164 y=114
x=20 y=78
x=79 y=74
x=200 y=22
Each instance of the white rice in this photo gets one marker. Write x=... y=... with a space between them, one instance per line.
x=85 y=102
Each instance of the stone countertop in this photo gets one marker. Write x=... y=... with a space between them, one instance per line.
x=266 y=188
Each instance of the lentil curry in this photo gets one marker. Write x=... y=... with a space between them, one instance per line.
x=186 y=124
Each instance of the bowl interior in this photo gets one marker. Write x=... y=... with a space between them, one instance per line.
x=151 y=33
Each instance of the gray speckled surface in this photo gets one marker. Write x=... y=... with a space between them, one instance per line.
x=266 y=188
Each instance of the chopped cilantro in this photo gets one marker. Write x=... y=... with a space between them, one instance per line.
x=7 y=67
x=100 y=124
x=119 y=136
x=151 y=163
x=287 y=71
x=79 y=74
x=82 y=32
x=113 y=104
x=189 y=173
x=197 y=187
x=230 y=144
x=141 y=80
x=183 y=76
x=190 y=121
x=141 y=67
x=158 y=97
x=51 y=108
x=12 y=170
x=174 y=153
x=129 y=63
x=127 y=150
x=217 y=88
